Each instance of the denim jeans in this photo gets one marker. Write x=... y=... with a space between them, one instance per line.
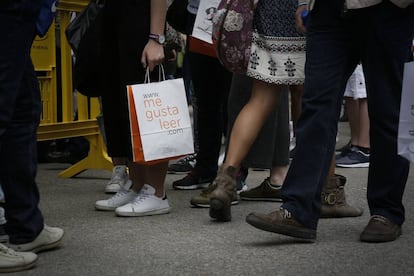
x=20 y=108
x=380 y=38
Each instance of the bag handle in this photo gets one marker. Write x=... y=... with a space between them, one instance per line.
x=161 y=74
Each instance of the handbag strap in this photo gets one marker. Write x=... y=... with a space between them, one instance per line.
x=161 y=74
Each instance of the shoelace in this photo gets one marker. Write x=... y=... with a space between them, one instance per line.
x=209 y=189
x=140 y=198
x=380 y=219
x=286 y=214
x=187 y=159
x=4 y=249
x=118 y=194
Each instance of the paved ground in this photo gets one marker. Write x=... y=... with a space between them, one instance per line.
x=187 y=242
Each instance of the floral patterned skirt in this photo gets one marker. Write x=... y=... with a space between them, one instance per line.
x=278 y=60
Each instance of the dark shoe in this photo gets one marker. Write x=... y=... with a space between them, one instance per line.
x=192 y=181
x=203 y=200
x=264 y=192
x=222 y=196
x=281 y=222
x=355 y=158
x=65 y=157
x=183 y=165
x=380 y=229
x=342 y=151
x=333 y=200
x=3 y=235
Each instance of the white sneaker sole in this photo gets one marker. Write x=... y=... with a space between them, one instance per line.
x=359 y=165
x=207 y=205
x=18 y=268
x=105 y=208
x=142 y=214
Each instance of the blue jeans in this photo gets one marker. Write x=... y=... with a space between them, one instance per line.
x=380 y=38
x=20 y=108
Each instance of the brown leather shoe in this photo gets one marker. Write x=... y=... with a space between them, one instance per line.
x=281 y=222
x=380 y=229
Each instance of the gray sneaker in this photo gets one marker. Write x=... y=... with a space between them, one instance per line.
x=12 y=261
x=119 y=179
x=354 y=158
x=49 y=238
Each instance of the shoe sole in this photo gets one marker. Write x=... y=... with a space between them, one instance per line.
x=359 y=165
x=19 y=268
x=291 y=231
x=370 y=238
x=104 y=208
x=111 y=191
x=273 y=199
x=219 y=210
x=46 y=247
x=207 y=205
x=149 y=213
x=191 y=187
x=178 y=173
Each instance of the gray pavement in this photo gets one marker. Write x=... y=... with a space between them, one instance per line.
x=187 y=242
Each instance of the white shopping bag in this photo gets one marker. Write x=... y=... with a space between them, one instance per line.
x=203 y=25
x=406 y=123
x=160 y=121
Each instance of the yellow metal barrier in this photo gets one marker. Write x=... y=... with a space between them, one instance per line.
x=44 y=60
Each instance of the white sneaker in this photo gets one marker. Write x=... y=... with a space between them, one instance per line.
x=145 y=204
x=12 y=261
x=118 y=179
x=49 y=238
x=122 y=197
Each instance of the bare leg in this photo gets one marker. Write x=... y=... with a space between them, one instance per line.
x=352 y=107
x=363 y=137
x=153 y=175
x=278 y=174
x=250 y=120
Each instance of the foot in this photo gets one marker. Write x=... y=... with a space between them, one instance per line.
x=203 y=200
x=264 y=192
x=380 y=229
x=122 y=197
x=354 y=158
x=145 y=204
x=223 y=194
x=281 y=222
x=118 y=180
x=49 y=238
x=12 y=261
x=193 y=181
x=183 y=165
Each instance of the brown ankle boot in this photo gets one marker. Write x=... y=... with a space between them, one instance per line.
x=223 y=194
x=333 y=199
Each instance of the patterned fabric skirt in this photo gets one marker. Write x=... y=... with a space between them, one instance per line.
x=278 y=50
x=278 y=60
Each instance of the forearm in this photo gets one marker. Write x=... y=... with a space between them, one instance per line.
x=158 y=12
